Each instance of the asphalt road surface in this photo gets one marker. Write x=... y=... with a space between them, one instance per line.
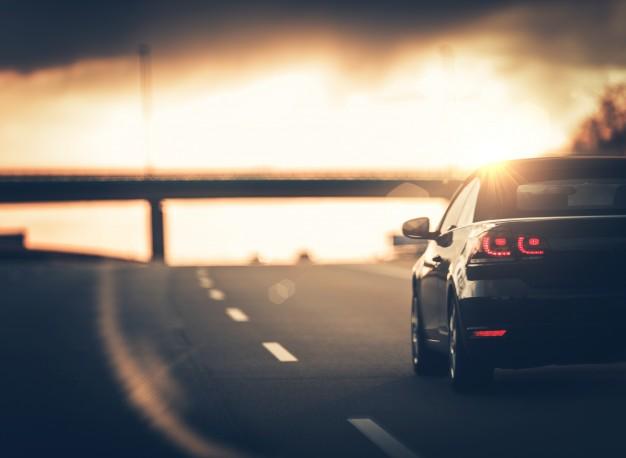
x=113 y=359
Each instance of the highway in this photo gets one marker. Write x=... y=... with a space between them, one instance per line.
x=115 y=359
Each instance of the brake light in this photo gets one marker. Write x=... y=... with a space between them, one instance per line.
x=495 y=246
x=489 y=333
x=498 y=245
x=532 y=246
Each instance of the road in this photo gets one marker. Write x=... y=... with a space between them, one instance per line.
x=113 y=359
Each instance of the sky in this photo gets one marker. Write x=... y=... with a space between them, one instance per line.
x=288 y=85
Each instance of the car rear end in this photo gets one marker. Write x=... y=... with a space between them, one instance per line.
x=546 y=284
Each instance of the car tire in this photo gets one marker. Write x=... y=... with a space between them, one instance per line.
x=425 y=361
x=465 y=374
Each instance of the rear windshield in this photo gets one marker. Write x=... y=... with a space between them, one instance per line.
x=565 y=188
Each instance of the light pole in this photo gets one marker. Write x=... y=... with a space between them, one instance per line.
x=156 y=210
x=145 y=81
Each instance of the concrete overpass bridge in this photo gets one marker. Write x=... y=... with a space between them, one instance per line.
x=155 y=189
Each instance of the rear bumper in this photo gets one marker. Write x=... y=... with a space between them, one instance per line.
x=546 y=330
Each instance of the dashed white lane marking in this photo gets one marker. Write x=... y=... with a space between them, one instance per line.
x=236 y=314
x=202 y=272
x=205 y=282
x=383 y=440
x=279 y=352
x=216 y=294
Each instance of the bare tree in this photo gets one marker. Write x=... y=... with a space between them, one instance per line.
x=604 y=132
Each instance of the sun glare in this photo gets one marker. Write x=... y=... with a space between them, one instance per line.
x=309 y=117
x=298 y=115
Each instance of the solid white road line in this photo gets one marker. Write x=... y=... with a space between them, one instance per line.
x=205 y=282
x=385 y=441
x=216 y=294
x=279 y=352
x=236 y=314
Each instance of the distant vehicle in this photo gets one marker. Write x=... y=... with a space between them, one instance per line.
x=526 y=268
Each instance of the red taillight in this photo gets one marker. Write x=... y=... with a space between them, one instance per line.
x=489 y=333
x=497 y=246
x=532 y=246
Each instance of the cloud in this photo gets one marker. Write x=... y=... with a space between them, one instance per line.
x=39 y=34
x=68 y=71
x=579 y=34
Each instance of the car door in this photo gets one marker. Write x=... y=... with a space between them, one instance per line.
x=435 y=271
x=450 y=246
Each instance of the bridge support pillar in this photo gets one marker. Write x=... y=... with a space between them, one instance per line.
x=156 y=230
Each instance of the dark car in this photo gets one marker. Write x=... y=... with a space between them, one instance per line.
x=526 y=268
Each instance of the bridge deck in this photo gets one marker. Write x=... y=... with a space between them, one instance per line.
x=72 y=188
x=58 y=188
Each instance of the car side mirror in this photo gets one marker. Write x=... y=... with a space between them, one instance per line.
x=417 y=228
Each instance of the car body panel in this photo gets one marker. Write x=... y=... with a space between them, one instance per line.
x=566 y=306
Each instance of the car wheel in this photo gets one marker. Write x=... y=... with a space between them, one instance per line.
x=465 y=374
x=425 y=361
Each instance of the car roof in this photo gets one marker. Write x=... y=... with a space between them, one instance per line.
x=550 y=161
